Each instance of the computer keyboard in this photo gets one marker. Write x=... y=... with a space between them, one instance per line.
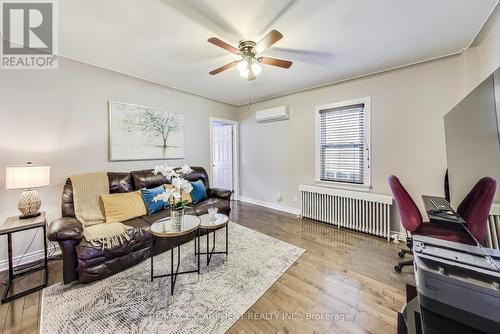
x=441 y=204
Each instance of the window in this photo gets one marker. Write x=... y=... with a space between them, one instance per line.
x=343 y=143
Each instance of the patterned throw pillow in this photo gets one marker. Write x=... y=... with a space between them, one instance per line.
x=148 y=196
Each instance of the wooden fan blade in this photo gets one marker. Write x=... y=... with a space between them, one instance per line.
x=223 y=68
x=267 y=41
x=275 y=62
x=224 y=45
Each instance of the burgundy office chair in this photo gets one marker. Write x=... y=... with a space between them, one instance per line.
x=413 y=223
x=476 y=206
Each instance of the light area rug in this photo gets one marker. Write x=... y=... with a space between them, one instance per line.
x=207 y=303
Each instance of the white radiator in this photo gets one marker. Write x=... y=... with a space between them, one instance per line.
x=364 y=212
x=493 y=227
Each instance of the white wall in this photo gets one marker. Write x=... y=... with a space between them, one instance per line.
x=60 y=117
x=483 y=57
x=408 y=106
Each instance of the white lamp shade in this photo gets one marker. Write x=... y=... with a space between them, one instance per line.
x=27 y=176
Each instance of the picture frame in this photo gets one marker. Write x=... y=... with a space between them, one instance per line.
x=144 y=133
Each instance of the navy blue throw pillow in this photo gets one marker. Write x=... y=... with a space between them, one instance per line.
x=199 y=193
x=148 y=196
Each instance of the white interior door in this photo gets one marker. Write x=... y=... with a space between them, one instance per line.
x=222 y=138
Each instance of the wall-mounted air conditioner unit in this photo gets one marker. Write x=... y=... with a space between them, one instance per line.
x=272 y=114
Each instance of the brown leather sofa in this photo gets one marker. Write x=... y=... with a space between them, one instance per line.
x=85 y=263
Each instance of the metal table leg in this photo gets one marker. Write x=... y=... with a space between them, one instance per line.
x=174 y=273
x=45 y=254
x=211 y=250
x=13 y=275
x=152 y=255
x=197 y=253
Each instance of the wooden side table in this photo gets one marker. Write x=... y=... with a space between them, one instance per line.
x=13 y=225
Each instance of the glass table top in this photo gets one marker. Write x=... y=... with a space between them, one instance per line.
x=218 y=220
x=165 y=228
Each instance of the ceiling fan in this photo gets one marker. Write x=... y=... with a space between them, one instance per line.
x=249 y=66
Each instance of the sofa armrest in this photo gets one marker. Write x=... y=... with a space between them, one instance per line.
x=219 y=193
x=65 y=228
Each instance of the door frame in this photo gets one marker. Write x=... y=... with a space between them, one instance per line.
x=236 y=153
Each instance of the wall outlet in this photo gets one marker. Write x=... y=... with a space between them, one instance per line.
x=278 y=197
x=295 y=199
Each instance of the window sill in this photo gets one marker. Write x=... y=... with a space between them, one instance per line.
x=346 y=186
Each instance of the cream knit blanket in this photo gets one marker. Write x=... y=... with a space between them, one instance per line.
x=87 y=191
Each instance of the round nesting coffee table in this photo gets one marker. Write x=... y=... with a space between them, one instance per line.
x=164 y=228
x=211 y=225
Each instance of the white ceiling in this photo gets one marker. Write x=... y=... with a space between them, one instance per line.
x=165 y=41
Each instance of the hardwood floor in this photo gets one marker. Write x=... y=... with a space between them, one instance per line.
x=343 y=283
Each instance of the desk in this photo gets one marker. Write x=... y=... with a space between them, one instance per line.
x=452 y=220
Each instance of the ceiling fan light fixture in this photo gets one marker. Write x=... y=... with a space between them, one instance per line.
x=256 y=68
x=242 y=67
x=249 y=66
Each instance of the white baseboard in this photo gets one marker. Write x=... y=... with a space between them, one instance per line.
x=275 y=206
x=29 y=257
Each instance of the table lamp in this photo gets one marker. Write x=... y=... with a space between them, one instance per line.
x=27 y=177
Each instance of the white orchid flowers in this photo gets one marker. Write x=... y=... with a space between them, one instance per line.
x=179 y=184
x=182 y=185
x=186 y=170
x=170 y=172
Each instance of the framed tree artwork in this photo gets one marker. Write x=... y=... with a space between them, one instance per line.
x=143 y=133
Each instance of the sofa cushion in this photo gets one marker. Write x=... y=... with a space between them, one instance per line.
x=150 y=219
x=124 y=206
x=199 y=193
x=152 y=205
x=137 y=223
x=106 y=267
x=68 y=205
x=120 y=182
x=146 y=179
x=198 y=173
x=219 y=192
x=140 y=237
x=96 y=263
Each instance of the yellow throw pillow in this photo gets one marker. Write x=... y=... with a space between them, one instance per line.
x=184 y=196
x=123 y=206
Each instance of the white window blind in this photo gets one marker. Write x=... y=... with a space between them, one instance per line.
x=343 y=145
